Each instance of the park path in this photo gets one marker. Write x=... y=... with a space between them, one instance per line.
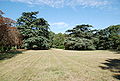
x=57 y=65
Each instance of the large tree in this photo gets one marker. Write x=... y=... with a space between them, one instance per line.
x=35 y=31
x=9 y=36
x=80 y=38
x=109 y=38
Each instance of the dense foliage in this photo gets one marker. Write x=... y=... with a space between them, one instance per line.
x=57 y=40
x=35 y=31
x=79 y=44
x=36 y=35
x=9 y=36
x=80 y=38
x=83 y=38
x=39 y=42
x=109 y=38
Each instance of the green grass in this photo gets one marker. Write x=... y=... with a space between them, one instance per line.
x=59 y=65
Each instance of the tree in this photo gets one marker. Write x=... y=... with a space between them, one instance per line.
x=80 y=38
x=9 y=36
x=109 y=38
x=51 y=37
x=82 y=31
x=58 y=40
x=34 y=30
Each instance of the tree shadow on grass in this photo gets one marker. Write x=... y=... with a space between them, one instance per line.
x=9 y=55
x=116 y=51
x=114 y=66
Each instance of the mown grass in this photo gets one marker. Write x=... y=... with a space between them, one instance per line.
x=61 y=65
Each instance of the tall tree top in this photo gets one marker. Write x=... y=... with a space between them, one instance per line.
x=29 y=25
x=81 y=31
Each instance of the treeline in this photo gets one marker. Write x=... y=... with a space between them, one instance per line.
x=84 y=37
x=35 y=33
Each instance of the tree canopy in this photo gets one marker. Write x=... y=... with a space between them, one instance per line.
x=57 y=40
x=34 y=31
x=9 y=35
x=35 y=34
x=80 y=38
x=109 y=38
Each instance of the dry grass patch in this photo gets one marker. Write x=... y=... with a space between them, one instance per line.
x=59 y=65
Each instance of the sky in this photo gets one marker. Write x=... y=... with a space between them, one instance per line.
x=66 y=14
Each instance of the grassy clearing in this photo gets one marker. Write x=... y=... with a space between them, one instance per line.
x=60 y=65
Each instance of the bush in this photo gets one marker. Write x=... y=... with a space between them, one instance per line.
x=13 y=48
x=5 y=48
x=60 y=47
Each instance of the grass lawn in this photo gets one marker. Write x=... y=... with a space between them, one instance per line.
x=61 y=65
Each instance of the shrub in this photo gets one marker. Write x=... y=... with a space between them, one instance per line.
x=60 y=47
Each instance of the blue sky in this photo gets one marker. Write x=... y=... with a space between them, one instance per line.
x=66 y=14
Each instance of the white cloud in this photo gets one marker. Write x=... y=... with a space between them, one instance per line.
x=59 y=24
x=59 y=27
x=62 y=3
x=88 y=3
